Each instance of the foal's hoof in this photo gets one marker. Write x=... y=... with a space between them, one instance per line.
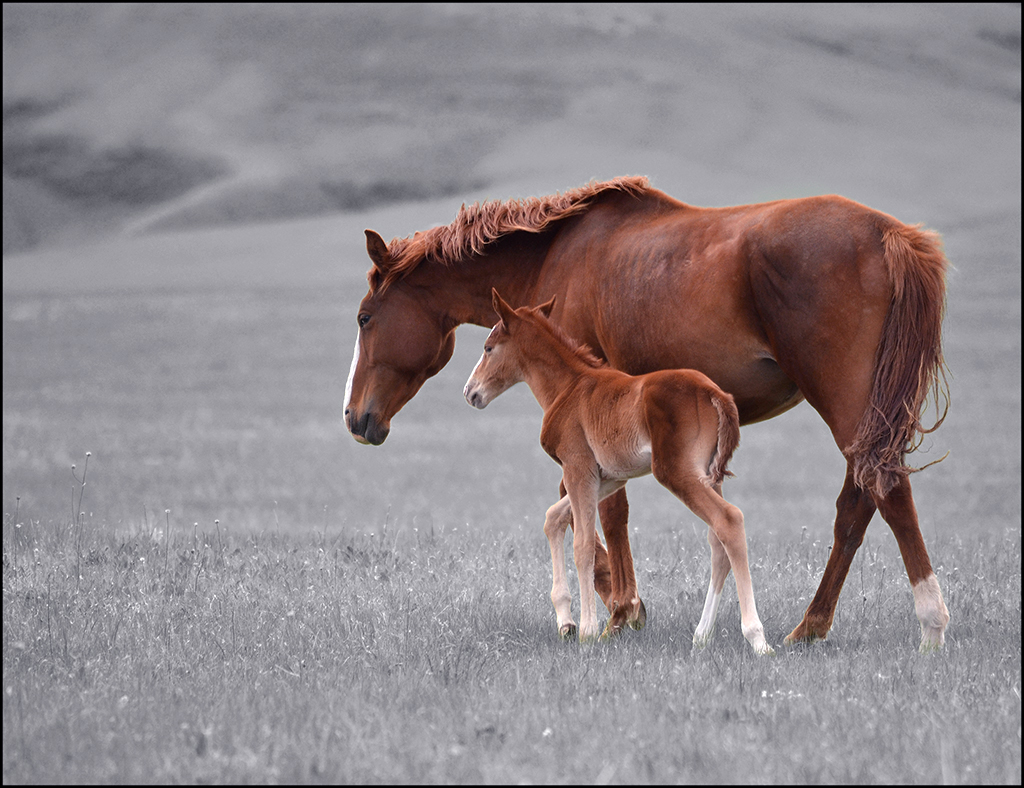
x=567 y=632
x=931 y=644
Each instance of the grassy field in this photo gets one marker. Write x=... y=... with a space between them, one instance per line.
x=241 y=593
x=176 y=654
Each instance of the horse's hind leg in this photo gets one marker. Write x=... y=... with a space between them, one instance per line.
x=555 y=523
x=854 y=509
x=900 y=513
x=719 y=572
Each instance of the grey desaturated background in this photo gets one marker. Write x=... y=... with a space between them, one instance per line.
x=184 y=148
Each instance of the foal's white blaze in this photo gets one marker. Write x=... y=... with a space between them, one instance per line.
x=471 y=385
x=931 y=612
x=351 y=373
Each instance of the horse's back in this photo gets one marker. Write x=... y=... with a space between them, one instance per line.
x=767 y=299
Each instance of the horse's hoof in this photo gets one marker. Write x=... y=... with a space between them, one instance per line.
x=639 y=621
x=930 y=645
x=567 y=632
x=804 y=634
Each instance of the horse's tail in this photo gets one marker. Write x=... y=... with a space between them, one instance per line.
x=728 y=437
x=908 y=364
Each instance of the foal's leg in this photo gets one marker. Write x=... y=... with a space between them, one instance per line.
x=719 y=571
x=854 y=509
x=900 y=513
x=726 y=521
x=555 y=523
x=604 y=582
x=582 y=487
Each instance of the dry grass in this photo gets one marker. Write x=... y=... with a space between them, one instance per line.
x=314 y=610
x=327 y=657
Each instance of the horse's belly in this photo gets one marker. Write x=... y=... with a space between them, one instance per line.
x=619 y=464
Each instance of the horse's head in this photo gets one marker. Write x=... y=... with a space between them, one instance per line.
x=401 y=343
x=502 y=365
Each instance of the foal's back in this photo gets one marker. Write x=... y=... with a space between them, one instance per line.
x=633 y=425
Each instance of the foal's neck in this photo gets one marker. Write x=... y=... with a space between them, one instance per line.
x=552 y=366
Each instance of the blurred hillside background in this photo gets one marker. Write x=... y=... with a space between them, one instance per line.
x=211 y=150
x=138 y=118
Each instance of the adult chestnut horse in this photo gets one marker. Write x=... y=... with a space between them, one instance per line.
x=817 y=298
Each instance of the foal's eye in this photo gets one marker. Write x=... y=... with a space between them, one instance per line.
x=488 y=348
x=363 y=320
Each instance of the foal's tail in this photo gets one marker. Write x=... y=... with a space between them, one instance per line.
x=908 y=365
x=728 y=437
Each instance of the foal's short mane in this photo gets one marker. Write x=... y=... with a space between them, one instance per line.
x=478 y=225
x=583 y=352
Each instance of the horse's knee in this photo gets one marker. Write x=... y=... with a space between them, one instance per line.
x=556 y=520
x=730 y=523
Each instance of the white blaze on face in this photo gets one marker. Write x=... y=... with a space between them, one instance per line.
x=352 y=373
x=471 y=385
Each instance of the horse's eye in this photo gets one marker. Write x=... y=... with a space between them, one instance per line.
x=363 y=320
x=488 y=348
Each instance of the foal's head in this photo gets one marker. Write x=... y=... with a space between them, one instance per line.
x=503 y=363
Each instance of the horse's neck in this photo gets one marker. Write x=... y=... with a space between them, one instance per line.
x=511 y=265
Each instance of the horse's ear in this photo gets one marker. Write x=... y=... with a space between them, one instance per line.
x=545 y=309
x=503 y=310
x=378 y=251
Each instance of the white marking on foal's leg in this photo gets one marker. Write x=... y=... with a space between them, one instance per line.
x=931 y=612
x=706 y=627
x=555 y=523
x=719 y=572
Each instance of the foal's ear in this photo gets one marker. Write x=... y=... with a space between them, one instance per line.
x=378 y=251
x=545 y=309
x=503 y=310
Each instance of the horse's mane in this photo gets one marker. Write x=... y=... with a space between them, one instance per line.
x=478 y=225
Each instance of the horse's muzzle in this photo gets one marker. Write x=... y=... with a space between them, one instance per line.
x=366 y=428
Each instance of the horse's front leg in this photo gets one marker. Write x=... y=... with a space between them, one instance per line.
x=624 y=604
x=555 y=523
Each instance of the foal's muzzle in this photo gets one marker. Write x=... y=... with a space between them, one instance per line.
x=474 y=396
